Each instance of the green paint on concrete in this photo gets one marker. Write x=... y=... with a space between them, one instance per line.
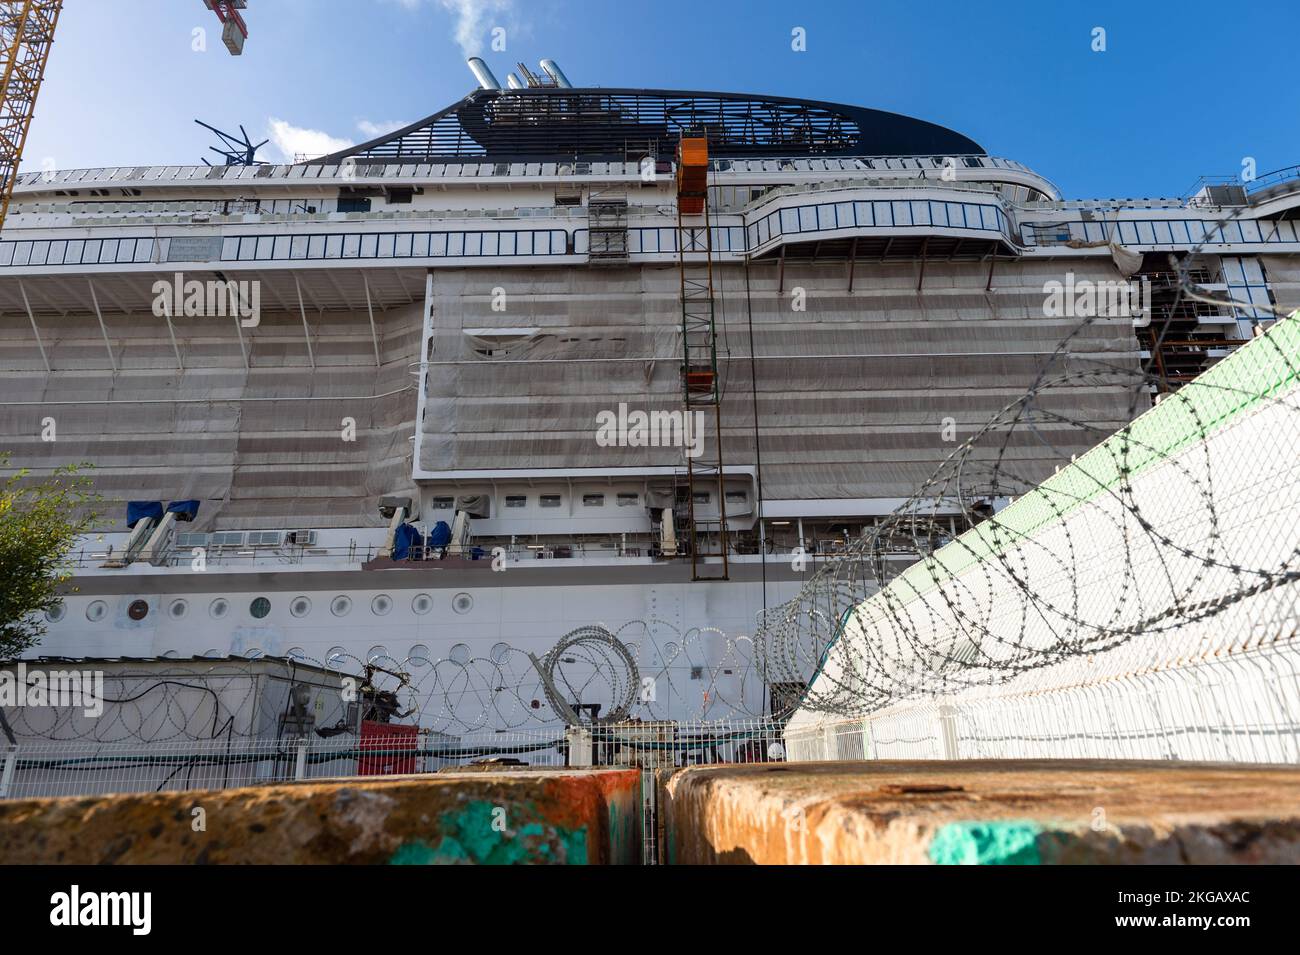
x=986 y=843
x=468 y=837
x=414 y=853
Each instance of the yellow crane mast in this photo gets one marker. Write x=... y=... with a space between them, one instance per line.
x=26 y=33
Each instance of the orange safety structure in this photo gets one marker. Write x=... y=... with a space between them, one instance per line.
x=705 y=496
x=692 y=174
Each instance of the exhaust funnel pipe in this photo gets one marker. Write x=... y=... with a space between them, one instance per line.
x=552 y=69
x=481 y=73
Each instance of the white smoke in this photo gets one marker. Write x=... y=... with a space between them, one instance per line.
x=472 y=21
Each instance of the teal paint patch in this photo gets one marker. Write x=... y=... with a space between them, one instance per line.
x=986 y=843
x=470 y=838
x=414 y=853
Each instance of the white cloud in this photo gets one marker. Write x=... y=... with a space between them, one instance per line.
x=372 y=130
x=294 y=141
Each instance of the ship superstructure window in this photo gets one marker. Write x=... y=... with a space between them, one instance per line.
x=737 y=497
x=628 y=499
x=228 y=539
x=516 y=500
x=703 y=497
x=549 y=500
x=264 y=538
x=354 y=204
x=442 y=503
x=593 y=500
x=191 y=540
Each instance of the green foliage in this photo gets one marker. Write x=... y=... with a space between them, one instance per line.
x=40 y=521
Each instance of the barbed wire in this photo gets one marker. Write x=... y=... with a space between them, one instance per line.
x=1006 y=599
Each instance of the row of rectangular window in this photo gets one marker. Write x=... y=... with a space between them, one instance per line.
x=75 y=251
x=893 y=213
x=644 y=240
x=1173 y=232
x=393 y=245
x=624 y=499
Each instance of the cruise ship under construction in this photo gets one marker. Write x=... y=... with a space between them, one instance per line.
x=561 y=357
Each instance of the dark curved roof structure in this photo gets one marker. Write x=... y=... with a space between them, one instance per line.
x=614 y=124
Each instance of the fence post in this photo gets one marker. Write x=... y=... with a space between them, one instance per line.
x=300 y=770
x=948 y=731
x=7 y=774
x=579 y=740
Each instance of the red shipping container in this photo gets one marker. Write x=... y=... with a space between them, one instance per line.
x=387 y=749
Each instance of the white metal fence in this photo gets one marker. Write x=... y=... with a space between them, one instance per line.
x=1240 y=709
x=1142 y=603
x=43 y=768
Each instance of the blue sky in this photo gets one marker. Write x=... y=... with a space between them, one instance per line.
x=1182 y=90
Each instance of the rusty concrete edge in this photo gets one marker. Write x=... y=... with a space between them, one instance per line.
x=350 y=820
x=713 y=814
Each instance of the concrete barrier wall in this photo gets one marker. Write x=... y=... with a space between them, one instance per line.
x=558 y=817
x=980 y=813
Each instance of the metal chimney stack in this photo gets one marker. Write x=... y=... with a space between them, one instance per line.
x=552 y=69
x=481 y=73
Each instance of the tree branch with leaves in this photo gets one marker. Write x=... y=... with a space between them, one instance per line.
x=40 y=523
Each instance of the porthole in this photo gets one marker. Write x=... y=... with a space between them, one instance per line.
x=336 y=658
x=419 y=655
x=459 y=654
x=377 y=652
x=178 y=609
x=171 y=654
x=219 y=608
x=462 y=603
x=300 y=607
x=381 y=605
x=296 y=653
x=214 y=652
x=56 y=613
x=96 y=611
x=138 y=609
x=422 y=604
x=252 y=653
x=499 y=652
x=340 y=605
x=259 y=608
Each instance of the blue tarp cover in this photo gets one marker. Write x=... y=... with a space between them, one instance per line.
x=184 y=510
x=440 y=536
x=136 y=511
x=405 y=538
